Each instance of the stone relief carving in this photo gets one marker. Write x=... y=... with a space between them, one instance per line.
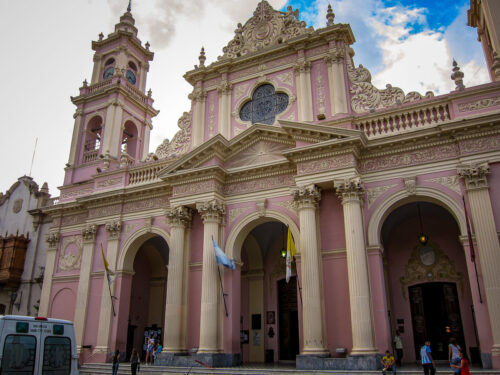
x=18 y=204
x=196 y=188
x=76 y=193
x=479 y=104
x=373 y=193
x=349 y=188
x=127 y=228
x=258 y=184
x=69 y=261
x=74 y=219
x=286 y=78
x=410 y=185
x=341 y=161
x=89 y=233
x=475 y=175
x=240 y=90
x=262 y=152
x=451 y=182
x=211 y=118
x=266 y=28
x=179 y=144
x=212 y=210
x=114 y=229
x=305 y=196
x=110 y=182
x=471 y=146
x=429 y=263
x=52 y=239
x=233 y=213
x=145 y=204
x=367 y=97
x=321 y=92
x=289 y=205
x=179 y=216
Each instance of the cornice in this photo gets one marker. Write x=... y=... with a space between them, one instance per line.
x=317 y=133
x=326 y=148
x=117 y=35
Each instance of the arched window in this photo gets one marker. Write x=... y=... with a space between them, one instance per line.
x=266 y=103
x=92 y=142
x=129 y=139
x=109 y=68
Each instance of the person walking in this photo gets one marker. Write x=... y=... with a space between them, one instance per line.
x=454 y=355
x=135 y=363
x=427 y=360
x=116 y=362
x=398 y=345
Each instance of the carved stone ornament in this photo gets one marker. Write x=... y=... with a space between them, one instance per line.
x=348 y=189
x=475 y=175
x=179 y=144
x=428 y=263
x=211 y=211
x=70 y=261
x=367 y=97
x=89 y=233
x=114 y=229
x=53 y=240
x=18 y=204
x=307 y=196
x=179 y=216
x=266 y=28
x=410 y=185
x=261 y=206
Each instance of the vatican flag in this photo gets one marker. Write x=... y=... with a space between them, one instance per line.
x=290 y=253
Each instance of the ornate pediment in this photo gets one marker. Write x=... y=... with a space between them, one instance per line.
x=267 y=27
x=179 y=144
x=258 y=154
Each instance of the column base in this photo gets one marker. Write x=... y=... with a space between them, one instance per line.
x=368 y=362
x=210 y=359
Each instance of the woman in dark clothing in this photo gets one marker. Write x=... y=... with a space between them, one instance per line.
x=134 y=362
x=116 y=362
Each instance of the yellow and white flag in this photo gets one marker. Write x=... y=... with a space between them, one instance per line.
x=290 y=253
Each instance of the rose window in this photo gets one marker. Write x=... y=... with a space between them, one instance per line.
x=266 y=103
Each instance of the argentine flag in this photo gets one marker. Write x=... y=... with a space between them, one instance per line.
x=222 y=258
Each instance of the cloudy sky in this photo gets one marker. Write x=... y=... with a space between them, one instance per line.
x=47 y=54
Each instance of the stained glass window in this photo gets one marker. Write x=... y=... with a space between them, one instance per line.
x=264 y=106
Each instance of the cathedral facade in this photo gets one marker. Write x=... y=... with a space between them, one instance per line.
x=389 y=196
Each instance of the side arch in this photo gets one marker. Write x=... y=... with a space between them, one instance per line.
x=401 y=198
x=133 y=243
x=241 y=230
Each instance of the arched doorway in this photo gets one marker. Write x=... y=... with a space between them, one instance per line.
x=269 y=305
x=147 y=293
x=428 y=291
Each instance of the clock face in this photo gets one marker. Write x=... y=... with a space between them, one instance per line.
x=108 y=73
x=130 y=77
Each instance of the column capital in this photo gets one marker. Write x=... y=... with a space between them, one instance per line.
x=335 y=55
x=307 y=196
x=302 y=66
x=114 y=229
x=89 y=233
x=198 y=95
x=349 y=189
x=225 y=87
x=53 y=240
x=474 y=175
x=211 y=211
x=179 y=216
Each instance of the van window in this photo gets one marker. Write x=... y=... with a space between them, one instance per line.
x=19 y=355
x=57 y=356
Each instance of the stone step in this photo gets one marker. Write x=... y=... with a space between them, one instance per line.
x=259 y=369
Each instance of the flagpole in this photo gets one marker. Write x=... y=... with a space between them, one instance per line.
x=221 y=286
x=472 y=254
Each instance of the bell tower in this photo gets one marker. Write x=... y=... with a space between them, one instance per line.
x=113 y=115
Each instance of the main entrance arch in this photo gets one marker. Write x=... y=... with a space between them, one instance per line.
x=142 y=293
x=269 y=306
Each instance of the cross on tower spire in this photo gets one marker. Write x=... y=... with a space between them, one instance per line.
x=129 y=8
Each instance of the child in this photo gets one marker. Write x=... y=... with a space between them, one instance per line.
x=388 y=362
x=464 y=364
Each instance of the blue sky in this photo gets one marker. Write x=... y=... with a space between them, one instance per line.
x=409 y=44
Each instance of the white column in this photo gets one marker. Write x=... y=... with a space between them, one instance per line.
x=145 y=144
x=313 y=323
x=336 y=81
x=96 y=72
x=476 y=184
x=212 y=213
x=363 y=337
x=199 y=96
x=106 y=312
x=82 y=295
x=174 y=339
x=50 y=263
x=224 y=91
x=304 y=93
x=77 y=130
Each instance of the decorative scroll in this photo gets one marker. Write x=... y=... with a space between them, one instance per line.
x=69 y=261
x=479 y=104
x=179 y=144
x=266 y=28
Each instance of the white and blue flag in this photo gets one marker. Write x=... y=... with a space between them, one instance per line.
x=222 y=258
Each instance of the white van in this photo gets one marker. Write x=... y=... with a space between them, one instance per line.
x=37 y=346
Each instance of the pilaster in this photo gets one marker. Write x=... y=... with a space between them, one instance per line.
x=111 y=140
x=336 y=81
x=50 y=262
x=476 y=185
x=74 y=140
x=304 y=94
x=199 y=98
x=313 y=321
x=179 y=218
x=212 y=213
x=350 y=192
x=224 y=90
x=88 y=234
x=106 y=314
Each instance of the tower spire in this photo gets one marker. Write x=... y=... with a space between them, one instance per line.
x=129 y=8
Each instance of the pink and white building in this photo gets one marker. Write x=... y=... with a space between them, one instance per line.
x=284 y=130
